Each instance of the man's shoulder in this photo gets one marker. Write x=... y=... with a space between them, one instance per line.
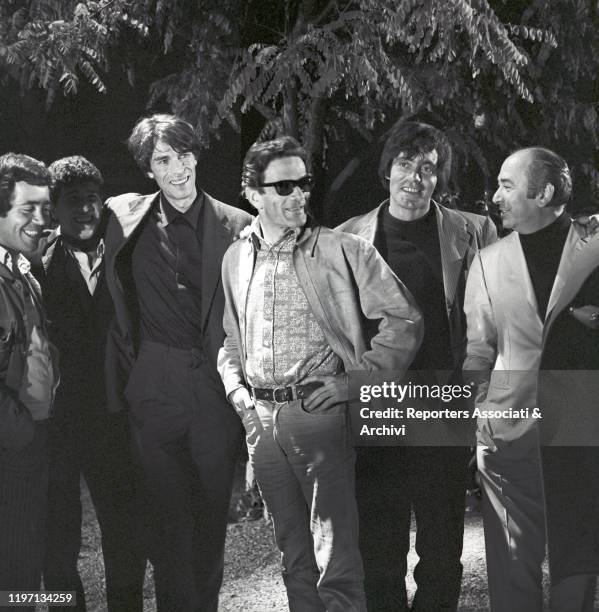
x=126 y=202
x=474 y=220
x=231 y=216
x=243 y=243
x=329 y=240
x=356 y=224
x=502 y=247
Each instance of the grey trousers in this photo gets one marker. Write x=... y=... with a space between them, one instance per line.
x=304 y=465
x=514 y=523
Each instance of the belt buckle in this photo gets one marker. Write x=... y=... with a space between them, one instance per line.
x=274 y=395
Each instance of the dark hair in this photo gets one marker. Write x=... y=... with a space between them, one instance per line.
x=73 y=169
x=176 y=132
x=15 y=167
x=546 y=167
x=260 y=154
x=413 y=138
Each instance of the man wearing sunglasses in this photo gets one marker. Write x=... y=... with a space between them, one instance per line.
x=298 y=297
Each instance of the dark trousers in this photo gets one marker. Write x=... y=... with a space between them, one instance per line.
x=97 y=447
x=390 y=482
x=23 y=490
x=188 y=440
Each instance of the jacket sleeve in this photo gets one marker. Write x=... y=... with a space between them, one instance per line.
x=383 y=297
x=16 y=423
x=481 y=350
x=489 y=233
x=229 y=356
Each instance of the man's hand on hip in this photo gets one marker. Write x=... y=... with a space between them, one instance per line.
x=335 y=390
x=241 y=400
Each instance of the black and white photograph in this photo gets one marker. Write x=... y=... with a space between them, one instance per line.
x=299 y=305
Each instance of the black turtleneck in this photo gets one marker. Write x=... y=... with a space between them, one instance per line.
x=543 y=251
x=413 y=252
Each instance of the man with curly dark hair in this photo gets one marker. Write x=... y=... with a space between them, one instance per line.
x=83 y=438
x=28 y=374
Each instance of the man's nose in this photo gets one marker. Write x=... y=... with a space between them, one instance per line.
x=496 y=197
x=179 y=165
x=40 y=217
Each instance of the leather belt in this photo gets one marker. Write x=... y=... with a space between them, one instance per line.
x=281 y=395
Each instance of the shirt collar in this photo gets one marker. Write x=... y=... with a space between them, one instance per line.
x=258 y=240
x=99 y=249
x=6 y=258
x=168 y=213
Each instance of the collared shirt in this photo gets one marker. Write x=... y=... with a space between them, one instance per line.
x=284 y=341
x=90 y=266
x=166 y=264
x=39 y=380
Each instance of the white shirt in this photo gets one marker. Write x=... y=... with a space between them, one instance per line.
x=89 y=266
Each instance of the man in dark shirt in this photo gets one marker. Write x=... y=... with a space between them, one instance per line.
x=430 y=248
x=83 y=438
x=163 y=260
x=512 y=287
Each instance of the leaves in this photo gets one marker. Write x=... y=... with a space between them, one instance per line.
x=497 y=74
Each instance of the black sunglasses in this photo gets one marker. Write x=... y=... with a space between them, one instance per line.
x=286 y=187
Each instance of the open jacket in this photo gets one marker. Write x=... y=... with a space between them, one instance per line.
x=79 y=322
x=16 y=422
x=461 y=235
x=220 y=226
x=345 y=281
x=505 y=331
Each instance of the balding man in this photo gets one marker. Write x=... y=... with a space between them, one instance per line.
x=511 y=287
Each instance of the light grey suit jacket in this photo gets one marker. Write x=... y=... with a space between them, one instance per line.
x=505 y=332
x=461 y=236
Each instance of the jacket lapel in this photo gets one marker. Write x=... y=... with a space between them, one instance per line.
x=118 y=233
x=572 y=249
x=128 y=220
x=216 y=239
x=455 y=239
x=517 y=273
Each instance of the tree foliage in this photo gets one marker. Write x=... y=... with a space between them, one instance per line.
x=496 y=74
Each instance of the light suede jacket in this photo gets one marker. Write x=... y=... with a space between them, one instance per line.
x=346 y=282
x=505 y=332
x=461 y=236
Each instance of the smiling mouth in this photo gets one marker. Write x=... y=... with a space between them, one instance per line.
x=411 y=189
x=84 y=220
x=35 y=235
x=180 y=181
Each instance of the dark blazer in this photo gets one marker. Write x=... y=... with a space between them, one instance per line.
x=461 y=236
x=220 y=226
x=568 y=397
x=78 y=322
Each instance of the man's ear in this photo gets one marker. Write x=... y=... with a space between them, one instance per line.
x=253 y=197
x=546 y=195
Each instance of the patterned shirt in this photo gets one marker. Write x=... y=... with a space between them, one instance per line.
x=284 y=341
